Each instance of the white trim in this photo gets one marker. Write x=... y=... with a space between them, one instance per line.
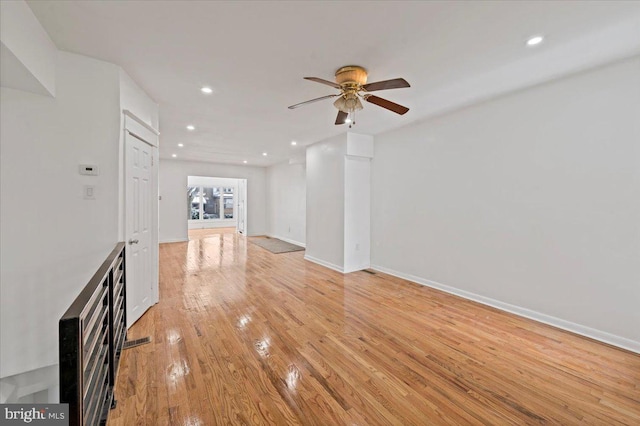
x=211 y=223
x=175 y=240
x=612 y=339
x=138 y=128
x=140 y=121
x=323 y=263
x=288 y=240
x=357 y=268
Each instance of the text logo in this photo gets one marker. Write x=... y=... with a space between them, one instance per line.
x=36 y=414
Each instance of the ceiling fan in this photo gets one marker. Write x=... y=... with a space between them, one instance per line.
x=352 y=83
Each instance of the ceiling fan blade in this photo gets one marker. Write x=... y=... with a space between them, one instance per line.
x=391 y=106
x=320 y=80
x=341 y=117
x=312 y=101
x=396 y=83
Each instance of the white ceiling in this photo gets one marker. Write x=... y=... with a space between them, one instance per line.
x=254 y=55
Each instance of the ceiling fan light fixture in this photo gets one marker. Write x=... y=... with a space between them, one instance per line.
x=353 y=104
x=340 y=103
x=348 y=103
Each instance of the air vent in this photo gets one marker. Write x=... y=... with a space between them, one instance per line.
x=138 y=342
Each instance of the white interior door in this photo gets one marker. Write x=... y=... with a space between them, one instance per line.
x=139 y=199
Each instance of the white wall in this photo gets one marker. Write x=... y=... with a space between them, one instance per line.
x=357 y=213
x=134 y=99
x=325 y=202
x=530 y=202
x=338 y=202
x=28 y=54
x=52 y=239
x=287 y=202
x=212 y=181
x=357 y=202
x=173 y=190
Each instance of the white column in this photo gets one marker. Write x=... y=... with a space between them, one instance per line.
x=339 y=202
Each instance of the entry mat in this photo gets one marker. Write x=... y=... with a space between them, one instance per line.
x=275 y=245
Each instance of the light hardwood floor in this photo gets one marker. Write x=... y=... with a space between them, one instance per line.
x=243 y=336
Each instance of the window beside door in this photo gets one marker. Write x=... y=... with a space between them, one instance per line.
x=194 y=199
x=207 y=203
x=227 y=201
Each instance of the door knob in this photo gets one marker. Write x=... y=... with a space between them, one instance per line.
x=133 y=242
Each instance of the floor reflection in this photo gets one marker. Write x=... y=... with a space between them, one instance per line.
x=211 y=257
x=214 y=248
x=244 y=336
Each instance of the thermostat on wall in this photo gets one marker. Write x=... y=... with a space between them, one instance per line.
x=89 y=169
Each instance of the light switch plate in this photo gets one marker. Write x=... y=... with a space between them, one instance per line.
x=89 y=192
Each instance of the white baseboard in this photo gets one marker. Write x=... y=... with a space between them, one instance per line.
x=612 y=339
x=356 y=268
x=298 y=243
x=331 y=265
x=323 y=263
x=175 y=240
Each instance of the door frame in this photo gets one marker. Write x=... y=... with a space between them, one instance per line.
x=242 y=198
x=136 y=127
x=214 y=182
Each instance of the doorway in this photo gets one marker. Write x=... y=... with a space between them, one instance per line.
x=242 y=209
x=214 y=202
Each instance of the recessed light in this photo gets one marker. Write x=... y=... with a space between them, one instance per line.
x=348 y=120
x=294 y=143
x=264 y=153
x=535 y=40
x=245 y=161
x=191 y=127
x=174 y=155
x=207 y=90
x=180 y=145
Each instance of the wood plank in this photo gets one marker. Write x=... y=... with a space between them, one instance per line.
x=244 y=336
